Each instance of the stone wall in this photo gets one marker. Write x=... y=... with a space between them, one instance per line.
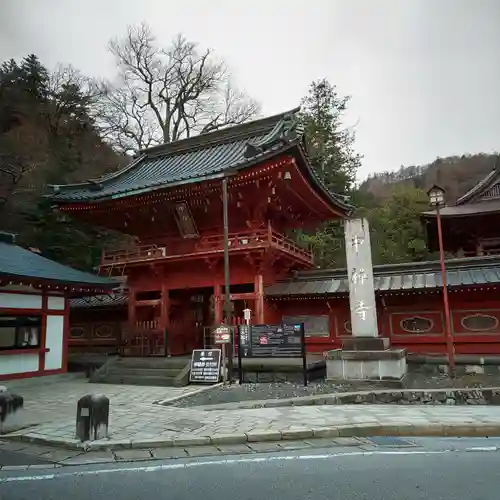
x=431 y=397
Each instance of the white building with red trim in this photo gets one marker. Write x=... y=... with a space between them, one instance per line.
x=34 y=310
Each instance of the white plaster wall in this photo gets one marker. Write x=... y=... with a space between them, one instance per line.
x=56 y=303
x=18 y=363
x=54 y=338
x=20 y=301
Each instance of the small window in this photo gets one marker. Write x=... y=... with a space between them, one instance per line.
x=20 y=332
x=479 y=322
x=347 y=326
x=416 y=324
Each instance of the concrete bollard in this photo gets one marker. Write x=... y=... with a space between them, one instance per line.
x=92 y=417
x=10 y=405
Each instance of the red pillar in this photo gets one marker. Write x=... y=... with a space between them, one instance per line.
x=447 y=317
x=259 y=299
x=165 y=307
x=165 y=316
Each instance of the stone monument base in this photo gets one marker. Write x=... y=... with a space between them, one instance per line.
x=367 y=359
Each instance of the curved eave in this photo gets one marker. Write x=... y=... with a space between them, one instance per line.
x=482 y=186
x=331 y=199
x=59 y=189
x=324 y=193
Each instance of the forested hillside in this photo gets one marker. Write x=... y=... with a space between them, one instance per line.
x=456 y=174
x=47 y=136
x=57 y=126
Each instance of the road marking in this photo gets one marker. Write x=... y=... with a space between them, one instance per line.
x=202 y=463
x=482 y=448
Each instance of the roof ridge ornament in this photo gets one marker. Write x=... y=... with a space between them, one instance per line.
x=285 y=131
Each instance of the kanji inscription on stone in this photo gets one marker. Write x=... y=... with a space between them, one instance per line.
x=361 y=309
x=359 y=276
x=360 y=273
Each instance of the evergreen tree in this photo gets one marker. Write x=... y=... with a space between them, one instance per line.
x=397 y=233
x=330 y=147
x=47 y=136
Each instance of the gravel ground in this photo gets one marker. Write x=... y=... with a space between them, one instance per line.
x=283 y=390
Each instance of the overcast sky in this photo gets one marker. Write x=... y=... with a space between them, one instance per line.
x=424 y=75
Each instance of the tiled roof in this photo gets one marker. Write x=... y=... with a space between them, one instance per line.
x=203 y=157
x=484 y=207
x=396 y=277
x=482 y=185
x=17 y=262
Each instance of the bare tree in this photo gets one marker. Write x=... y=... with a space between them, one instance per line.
x=162 y=95
x=73 y=98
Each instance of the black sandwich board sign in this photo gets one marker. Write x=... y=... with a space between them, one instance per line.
x=205 y=366
x=272 y=341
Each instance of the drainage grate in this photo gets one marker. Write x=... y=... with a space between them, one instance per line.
x=389 y=441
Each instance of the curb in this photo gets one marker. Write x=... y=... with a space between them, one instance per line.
x=358 y=430
x=168 y=401
x=339 y=398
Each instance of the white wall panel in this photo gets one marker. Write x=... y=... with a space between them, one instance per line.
x=56 y=303
x=54 y=338
x=18 y=363
x=20 y=301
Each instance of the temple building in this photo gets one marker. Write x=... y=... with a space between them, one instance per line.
x=471 y=225
x=170 y=198
x=34 y=310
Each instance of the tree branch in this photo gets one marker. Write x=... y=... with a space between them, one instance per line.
x=163 y=95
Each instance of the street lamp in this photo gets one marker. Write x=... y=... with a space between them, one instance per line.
x=436 y=200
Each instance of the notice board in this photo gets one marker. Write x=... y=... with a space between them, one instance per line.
x=205 y=366
x=272 y=341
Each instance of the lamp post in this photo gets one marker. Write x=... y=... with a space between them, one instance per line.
x=436 y=199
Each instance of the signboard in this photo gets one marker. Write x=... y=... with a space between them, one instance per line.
x=272 y=341
x=205 y=366
x=317 y=325
x=222 y=335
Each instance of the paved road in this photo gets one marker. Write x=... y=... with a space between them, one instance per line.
x=435 y=470
x=17 y=458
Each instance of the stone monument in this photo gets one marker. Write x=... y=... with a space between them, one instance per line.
x=365 y=355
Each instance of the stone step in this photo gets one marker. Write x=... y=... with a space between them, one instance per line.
x=143 y=372
x=152 y=362
x=157 y=381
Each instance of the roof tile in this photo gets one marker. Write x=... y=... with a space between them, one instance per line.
x=17 y=262
x=389 y=282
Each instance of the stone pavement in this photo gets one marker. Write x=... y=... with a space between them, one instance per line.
x=30 y=456
x=48 y=401
x=136 y=422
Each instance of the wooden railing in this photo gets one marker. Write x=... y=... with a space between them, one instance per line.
x=262 y=238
